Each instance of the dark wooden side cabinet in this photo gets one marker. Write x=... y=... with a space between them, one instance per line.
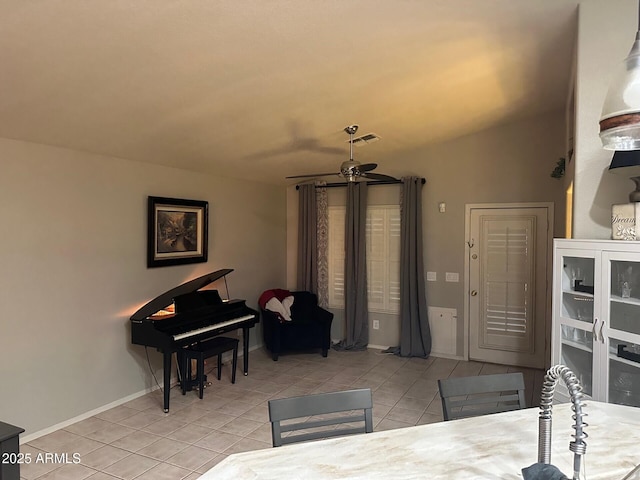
x=9 y=450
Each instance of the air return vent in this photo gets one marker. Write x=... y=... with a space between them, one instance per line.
x=368 y=138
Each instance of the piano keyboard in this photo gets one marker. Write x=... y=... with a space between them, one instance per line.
x=209 y=328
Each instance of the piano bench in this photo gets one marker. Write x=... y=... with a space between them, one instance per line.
x=203 y=350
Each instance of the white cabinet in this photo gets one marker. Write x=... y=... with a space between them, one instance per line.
x=596 y=317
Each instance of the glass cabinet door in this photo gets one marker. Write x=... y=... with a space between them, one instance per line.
x=624 y=372
x=576 y=352
x=575 y=314
x=624 y=295
x=622 y=337
x=578 y=289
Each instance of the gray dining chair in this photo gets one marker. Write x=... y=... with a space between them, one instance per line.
x=322 y=415
x=480 y=395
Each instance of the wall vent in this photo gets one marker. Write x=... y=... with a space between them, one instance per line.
x=443 y=323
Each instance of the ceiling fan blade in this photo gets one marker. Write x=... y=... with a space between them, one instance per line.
x=351 y=169
x=366 y=167
x=380 y=176
x=314 y=175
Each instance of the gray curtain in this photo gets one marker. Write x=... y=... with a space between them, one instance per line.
x=355 y=283
x=307 y=277
x=415 y=335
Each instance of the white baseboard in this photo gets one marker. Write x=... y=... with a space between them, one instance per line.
x=377 y=347
x=445 y=355
x=45 y=431
x=91 y=413
x=373 y=347
x=432 y=354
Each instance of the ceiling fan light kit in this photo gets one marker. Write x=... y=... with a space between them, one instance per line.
x=620 y=120
x=352 y=170
x=349 y=169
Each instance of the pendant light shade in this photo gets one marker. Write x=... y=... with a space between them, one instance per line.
x=628 y=164
x=620 y=121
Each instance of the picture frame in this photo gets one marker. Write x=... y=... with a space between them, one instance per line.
x=177 y=231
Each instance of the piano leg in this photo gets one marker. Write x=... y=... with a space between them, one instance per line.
x=184 y=373
x=166 y=365
x=245 y=349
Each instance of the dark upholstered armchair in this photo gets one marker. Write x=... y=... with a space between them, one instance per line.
x=310 y=326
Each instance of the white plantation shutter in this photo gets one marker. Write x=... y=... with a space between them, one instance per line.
x=336 y=256
x=508 y=278
x=393 y=274
x=375 y=258
x=383 y=257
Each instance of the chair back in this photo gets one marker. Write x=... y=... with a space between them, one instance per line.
x=480 y=395
x=321 y=416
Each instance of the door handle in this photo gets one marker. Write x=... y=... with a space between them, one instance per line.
x=593 y=330
x=602 y=334
x=474 y=293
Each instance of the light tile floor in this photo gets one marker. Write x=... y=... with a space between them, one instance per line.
x=137 y=440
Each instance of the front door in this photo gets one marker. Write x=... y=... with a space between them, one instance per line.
x=508 y=251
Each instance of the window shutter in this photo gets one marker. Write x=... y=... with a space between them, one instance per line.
x=383 y=257
x=336 y=256
x=376 y=250
x=394 y=260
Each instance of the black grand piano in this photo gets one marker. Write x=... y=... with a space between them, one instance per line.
x=185 y=315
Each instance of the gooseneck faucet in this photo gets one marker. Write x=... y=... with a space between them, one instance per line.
x=578 y=446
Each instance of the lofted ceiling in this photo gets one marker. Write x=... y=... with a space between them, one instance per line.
x=261 y=89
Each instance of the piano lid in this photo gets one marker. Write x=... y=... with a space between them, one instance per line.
x=167 y=297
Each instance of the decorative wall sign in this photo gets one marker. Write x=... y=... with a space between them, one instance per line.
x=177 y=231
x=625 y=221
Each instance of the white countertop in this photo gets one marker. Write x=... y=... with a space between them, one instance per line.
x=489 y=447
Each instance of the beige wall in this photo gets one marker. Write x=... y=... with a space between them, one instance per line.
x=510 y=163
x=74 y=269
x=605 y=34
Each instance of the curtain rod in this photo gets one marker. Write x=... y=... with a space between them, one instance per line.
x=375 y=182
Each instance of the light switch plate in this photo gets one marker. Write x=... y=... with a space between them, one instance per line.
x=452 y=277
x=432 y=276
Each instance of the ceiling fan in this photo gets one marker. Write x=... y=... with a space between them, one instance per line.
x=352 y=170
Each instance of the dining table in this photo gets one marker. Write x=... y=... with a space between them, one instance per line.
x=496 y=446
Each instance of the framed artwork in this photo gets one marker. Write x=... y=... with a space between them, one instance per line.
x=177 y=231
